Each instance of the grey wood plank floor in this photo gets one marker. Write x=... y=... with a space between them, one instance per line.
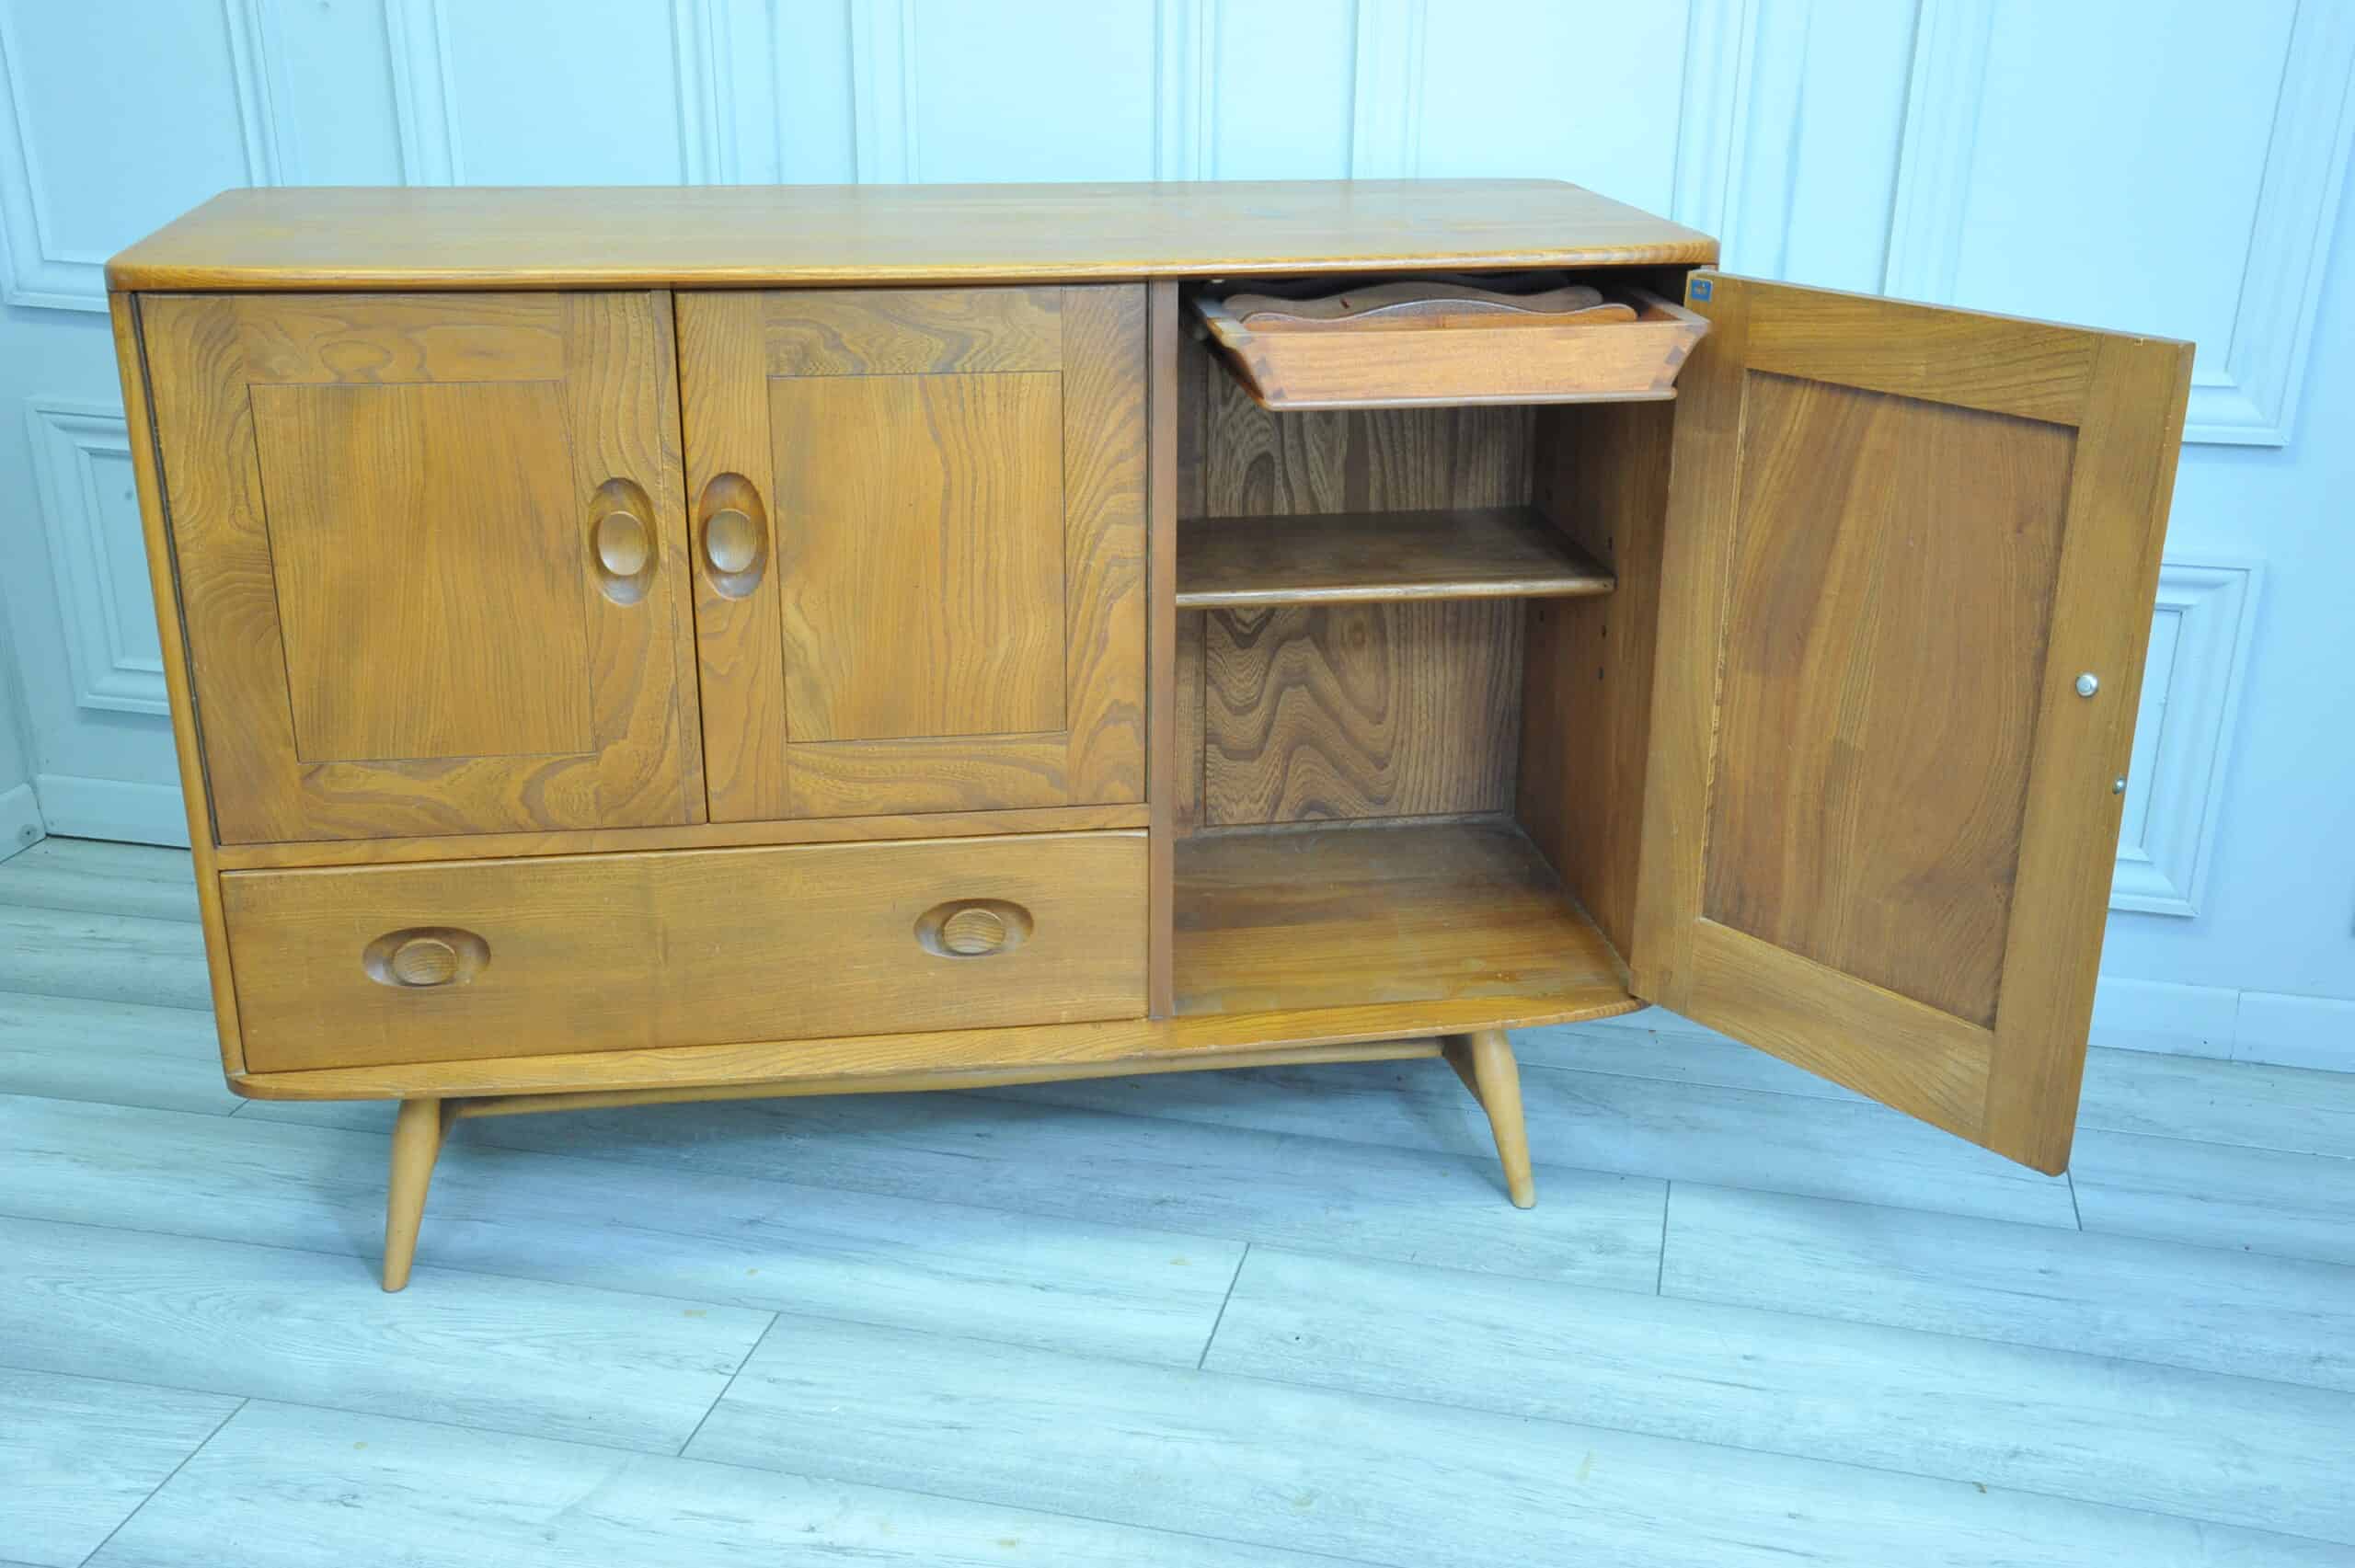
x=1276 y=1317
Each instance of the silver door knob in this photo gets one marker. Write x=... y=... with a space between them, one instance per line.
x=2089 y=683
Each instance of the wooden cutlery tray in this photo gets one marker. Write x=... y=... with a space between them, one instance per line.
x=1406 y=342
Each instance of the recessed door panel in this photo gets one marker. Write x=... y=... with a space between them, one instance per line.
x=430 y=557
x=921 y=523
x=919 y=517
x=1909 y=562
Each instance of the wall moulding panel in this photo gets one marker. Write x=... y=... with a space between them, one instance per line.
x=91 y=517
x=2200 y=641
x=2246 y=392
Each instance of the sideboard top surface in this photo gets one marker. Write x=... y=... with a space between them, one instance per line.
x=719 y=236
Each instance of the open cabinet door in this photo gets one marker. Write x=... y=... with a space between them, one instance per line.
x=1910 y=563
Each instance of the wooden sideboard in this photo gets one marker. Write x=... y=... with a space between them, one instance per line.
x=643 y=645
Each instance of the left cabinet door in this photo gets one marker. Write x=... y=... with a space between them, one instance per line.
x=430 y=557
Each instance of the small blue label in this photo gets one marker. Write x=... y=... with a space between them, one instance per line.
x=1700 y=288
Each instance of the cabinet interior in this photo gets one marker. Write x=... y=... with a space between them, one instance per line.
x=1412 y=685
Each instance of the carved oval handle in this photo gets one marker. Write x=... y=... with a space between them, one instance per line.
x=730 y=542
x=424 y=956
x=624 y=546
x=969 y=934
x=973 y=928
x=424 y=961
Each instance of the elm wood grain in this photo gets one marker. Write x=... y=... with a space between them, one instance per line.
x=691 y=836
x=288 y=506
x=1362 y=557
x=417 y=1130
x=1995 y=1061
x=866 y=332
x=898 y=493
x=1188 y=742
x=960 y=548
x=1360 y=710
x=1873 y=757
x=1482 y=1059
x=631 y=951
x=372 y=492
x=1258 y=463
x=171 y=636
x=1417 y=362
x=1587 y=990
x=1342 y=711
x=1586 y=694
x=1169 y=672
x=1301 y=917
x=341 y=239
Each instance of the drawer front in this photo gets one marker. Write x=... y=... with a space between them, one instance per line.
x=366 y=965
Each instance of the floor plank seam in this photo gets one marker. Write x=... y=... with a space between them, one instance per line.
x=1211 y=1338
x=1773 y=1453
x=1660 y=1274
x=2213 y=1143
x=758 y=1340
x=123 y=1523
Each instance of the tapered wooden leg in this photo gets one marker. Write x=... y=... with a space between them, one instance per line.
x=417 y=1140
x=1484 y=1060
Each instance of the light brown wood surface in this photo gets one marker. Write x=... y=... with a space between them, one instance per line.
x=692 y=836
x=1424 y=363
x=1364 y=557
x=951 y=491
x=163 y=581
x=690 y=946
x=417 y=1130
x=1587 y=664
x=1364 y=710
x=1206 y=1061
x=921 y=529
x=895 y=1059
x=1879 y=820
x=1482 y=1059
x=1340 y=711
x=327 y=466
x=332 y=238
x=1172 y=684
x=1300 y=918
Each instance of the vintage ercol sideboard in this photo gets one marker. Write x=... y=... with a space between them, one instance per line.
x=644 y=644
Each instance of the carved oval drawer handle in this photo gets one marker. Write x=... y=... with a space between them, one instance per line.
x=729 y=542
x=424 y=956
x=973 y=928
x=622 y=545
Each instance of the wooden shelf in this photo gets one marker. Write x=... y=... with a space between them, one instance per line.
x=1453 y=553
x=1300 y=918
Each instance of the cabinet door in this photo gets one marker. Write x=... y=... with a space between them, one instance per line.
x=1909 y=564
x=919 y=522
x=431 y=559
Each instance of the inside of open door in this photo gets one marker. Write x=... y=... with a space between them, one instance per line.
x=1908 y=568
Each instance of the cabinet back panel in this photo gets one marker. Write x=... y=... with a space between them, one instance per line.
x=1319 y=713
x=418 y=526
x=920 y=545
x=1886 y=625
x=1338 y=712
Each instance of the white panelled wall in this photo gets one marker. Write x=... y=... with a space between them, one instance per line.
x=2170 y=165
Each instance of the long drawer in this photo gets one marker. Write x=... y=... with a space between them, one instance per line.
x=446 y=960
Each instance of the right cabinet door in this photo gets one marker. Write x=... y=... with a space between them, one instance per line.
x=1909 y=564
x=919 y=526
